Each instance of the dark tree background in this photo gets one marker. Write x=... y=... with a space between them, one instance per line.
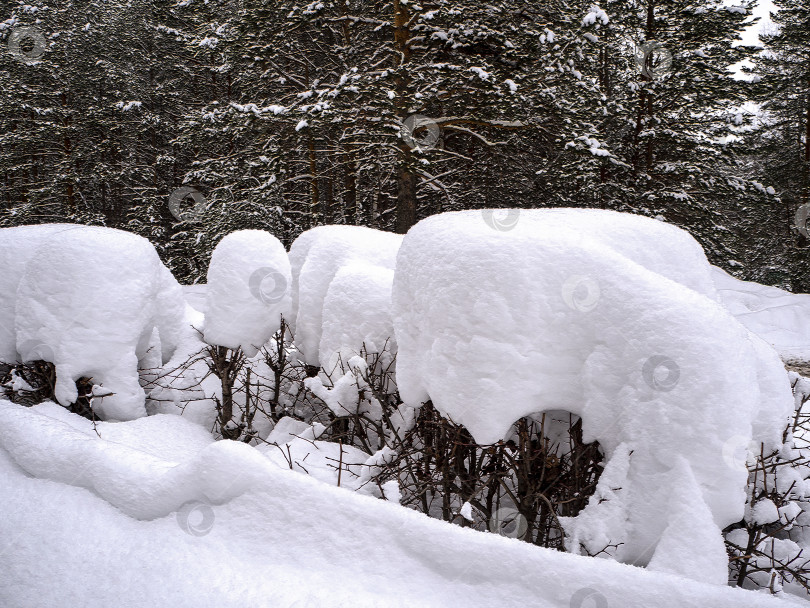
x=282 y=115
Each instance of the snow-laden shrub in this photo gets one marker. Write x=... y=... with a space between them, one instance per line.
x=247 y=296
x=357 y=314
x=318 y=258
x=769 y=547
x=248 y=291
x=615 y=319
x=17 y=246
x=95 y=302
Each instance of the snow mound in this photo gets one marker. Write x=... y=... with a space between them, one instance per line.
x=148 y=487
x=263 y=531
x=316 y=257
x=248 y=290
x=617 y=326
x=357 y=313
x=777 y=316
x=655 y=245
x=17 y=246
x=89 y=300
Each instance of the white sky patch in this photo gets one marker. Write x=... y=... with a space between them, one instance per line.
x=750 y=36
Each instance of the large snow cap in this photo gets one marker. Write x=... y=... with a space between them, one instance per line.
x=357 y=313
x=315 y=258
x=600 y=314
x=248 y=290
x=17 y=245
x=89 y=301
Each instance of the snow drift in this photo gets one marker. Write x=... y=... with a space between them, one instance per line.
x=153 y=507
x=779 y=317
x=89 y=300
x=353 y=309
x=612 y=317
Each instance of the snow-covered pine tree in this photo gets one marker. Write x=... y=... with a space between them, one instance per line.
x=670 y=104
x=781 y=143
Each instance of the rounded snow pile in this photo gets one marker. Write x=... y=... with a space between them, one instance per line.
x=17 y=246
x=88 y=299
x=341 y=290
x=248 y=290
x=610 y=316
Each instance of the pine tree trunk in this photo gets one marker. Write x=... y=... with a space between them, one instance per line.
x=406 y=179
x=406 y=196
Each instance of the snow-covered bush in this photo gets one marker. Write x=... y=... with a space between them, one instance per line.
x=235 y=397
x=355 y=259
x=613 y=318
x=95 y=302
x=248 y=291
x=247 y=296
x=17 y=246
x=357 y=315
x=770 y=547
x=573 y=381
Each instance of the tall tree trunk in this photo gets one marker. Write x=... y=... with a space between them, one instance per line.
x=406 y=195
x=68 y=147
x=314 y=203
x=406 y=178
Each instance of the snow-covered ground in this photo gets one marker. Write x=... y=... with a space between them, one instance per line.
x=671 y=364
x=779 y=317
x=154 y=513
